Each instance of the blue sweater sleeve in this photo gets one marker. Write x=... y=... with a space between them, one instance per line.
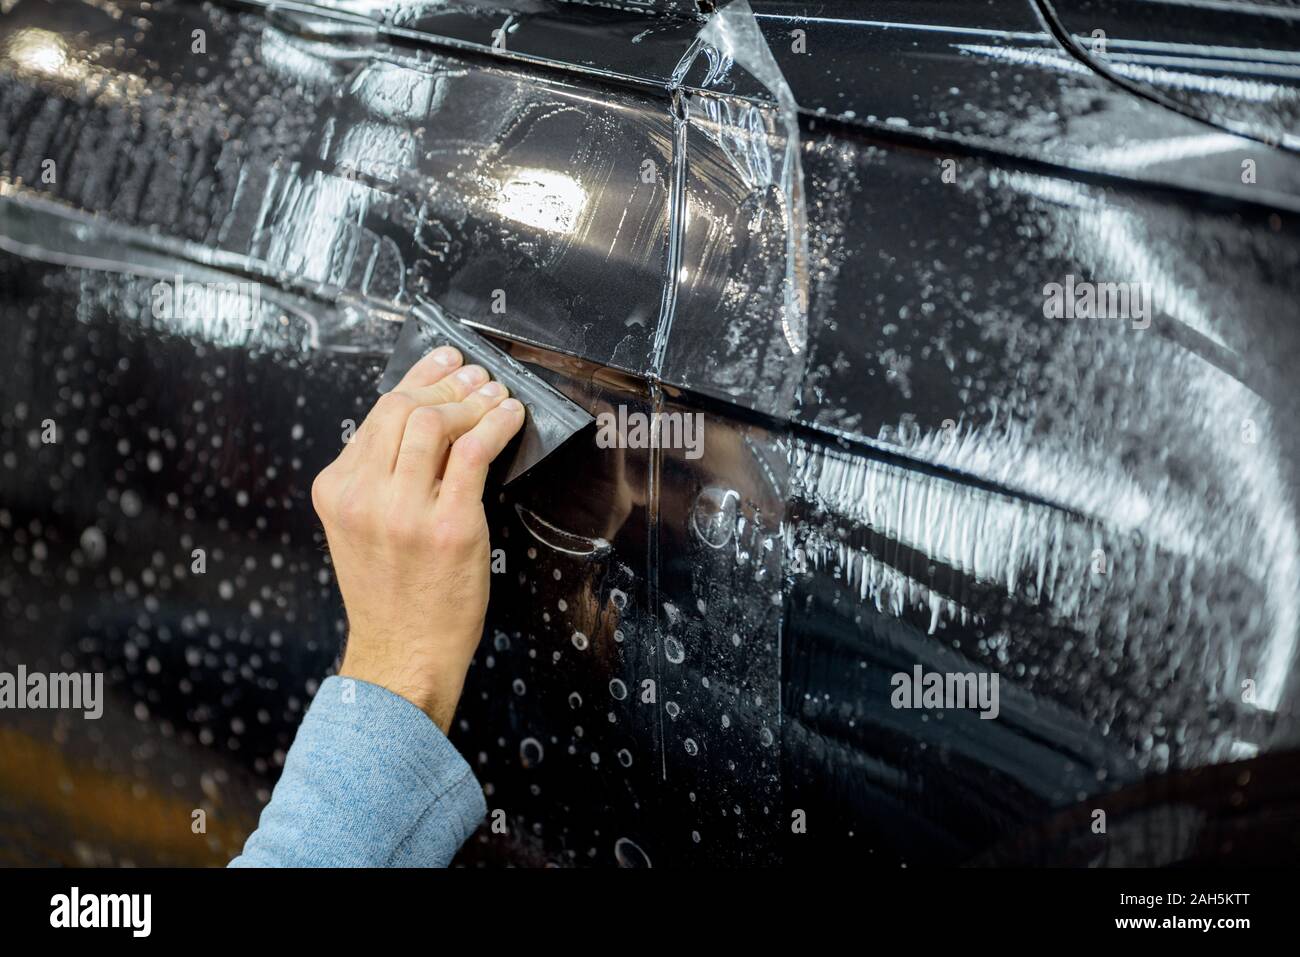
x=370 y=781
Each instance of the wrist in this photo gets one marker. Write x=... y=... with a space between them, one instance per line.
x=436 y=698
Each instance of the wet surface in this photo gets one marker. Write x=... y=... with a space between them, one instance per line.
x=1236 y=67
x=905 y=461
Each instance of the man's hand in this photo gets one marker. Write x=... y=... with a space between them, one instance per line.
x=402 y=507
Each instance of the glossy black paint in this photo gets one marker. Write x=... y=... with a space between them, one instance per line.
x=924 y=472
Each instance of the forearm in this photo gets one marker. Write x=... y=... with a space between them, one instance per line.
x=369 y=782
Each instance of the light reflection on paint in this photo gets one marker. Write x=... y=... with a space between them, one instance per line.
x=541 y=198
x=40 y=52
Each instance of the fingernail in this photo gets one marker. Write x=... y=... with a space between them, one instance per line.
x=493 y=389
x=512 y=405
x=472 y=375
x=445 y=356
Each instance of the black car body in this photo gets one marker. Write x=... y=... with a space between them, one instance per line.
x=832 y=231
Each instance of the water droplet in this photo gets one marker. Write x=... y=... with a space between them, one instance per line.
x=628 y=854
x=674 y=651
x=131 y=504
x=530 y=752
x=93 y=544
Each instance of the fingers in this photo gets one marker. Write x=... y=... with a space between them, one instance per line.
x=431 y=430
x=435 y=366
x=380 y=436
x=428 y=372
x=467 y=466
x=452 y=388
x=460 y=417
